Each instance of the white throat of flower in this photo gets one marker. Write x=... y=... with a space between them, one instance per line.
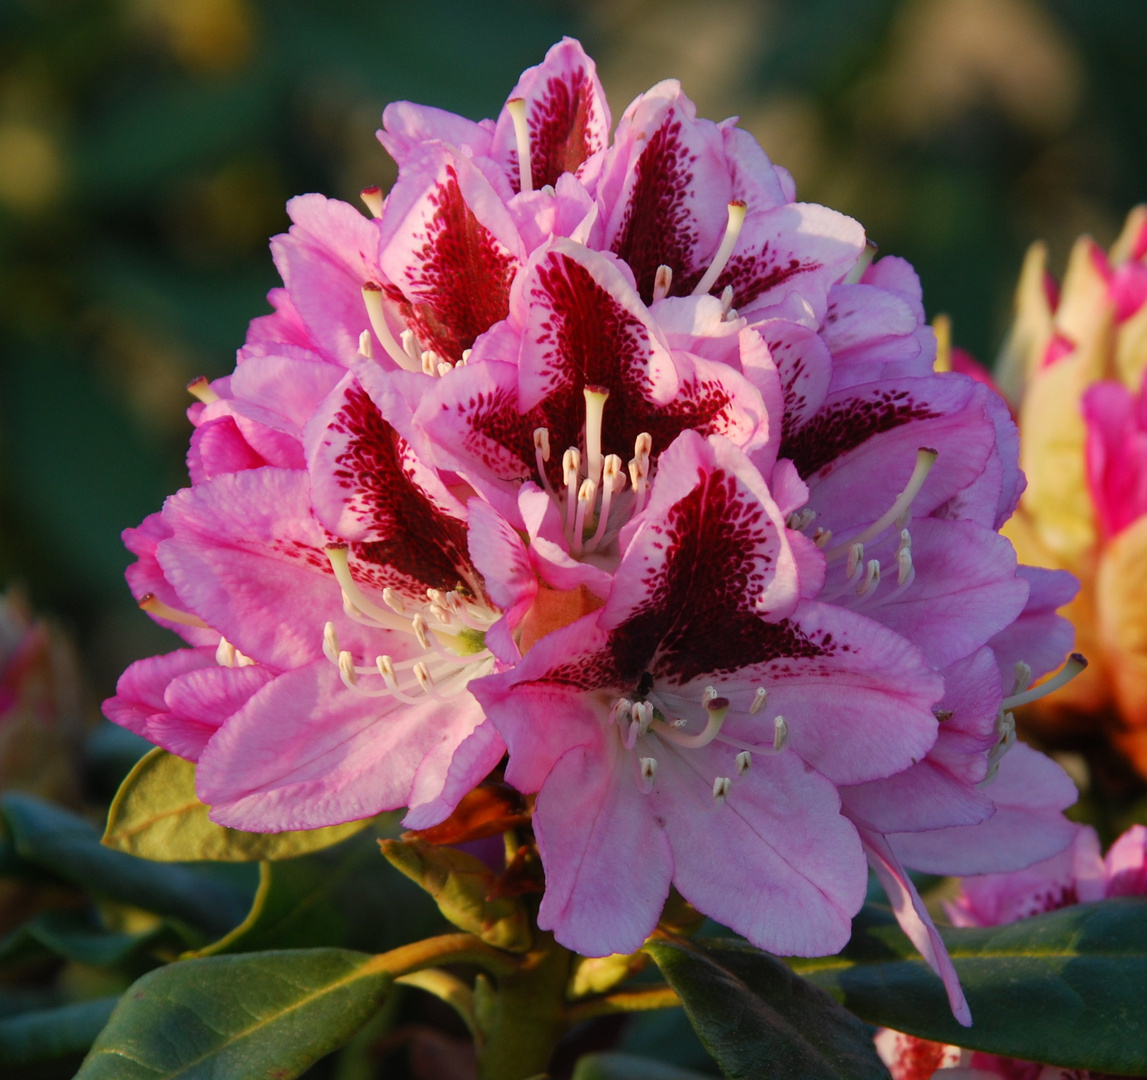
x=448 y=627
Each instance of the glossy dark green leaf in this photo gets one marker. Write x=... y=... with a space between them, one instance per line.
x=629 y=1067
x=48 y=1034
x=68 y=846
x=269 y=1014
x=758 y=1019
x=74 y=935
x=293 y=909
x=1067 y=987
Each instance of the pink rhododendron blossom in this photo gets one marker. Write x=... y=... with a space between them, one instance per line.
x=613 y=455
x=1077 y=875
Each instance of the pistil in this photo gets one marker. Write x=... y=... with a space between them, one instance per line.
x=724 y=252
x=1076 y=662
x=595 y=399
x=372 y=298
x=372 y=197
x=516 y=107
x=201 y=389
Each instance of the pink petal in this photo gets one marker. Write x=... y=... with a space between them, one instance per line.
x=1029 y=793
x=450 y=248
x=1125 y=867
x=915 y=921
x=306 y=752
x=406 y=126
x=1039 y=637
x=608 y=864
x=330 y=252
x=218 y=447
x=566 y=112
x=199 y=702
x=140 y=689
x=776 y=863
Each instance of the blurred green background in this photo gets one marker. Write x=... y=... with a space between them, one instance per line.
x=147 y=148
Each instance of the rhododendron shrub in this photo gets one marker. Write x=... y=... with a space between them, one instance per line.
x=604 y=466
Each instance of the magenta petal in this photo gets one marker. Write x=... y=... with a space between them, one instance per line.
x=776 y=863
x=1125 y=866
x=140 y=689
x=915 y=921
x=566 y=112
x=199 y=702
x=1039 y=637
x=797 y=248
x=326 y=258
x=218 y=447
x=608 y=863
x=452 y=770
x=406 y=126
x=306 y=752
x=1030 y=792
x=450 y=249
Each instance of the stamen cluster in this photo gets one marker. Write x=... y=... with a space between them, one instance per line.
x=611 y=456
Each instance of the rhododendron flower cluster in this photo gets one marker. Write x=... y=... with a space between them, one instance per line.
x=1078 y=875
x=1074 y=370
x=610 y=456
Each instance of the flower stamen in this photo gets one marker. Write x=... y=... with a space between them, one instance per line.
x=1076 y=662
x=200 y=388
x=662 y=282
x=152 y=604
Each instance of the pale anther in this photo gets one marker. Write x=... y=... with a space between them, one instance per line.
x=621 y=708
x=465 y=357
x=372 y=197
x=642 y=713
x=1023 y=677
x=800 y=519
x=744 y=762
x=759 y=699
x=430 y=360
x=393 y=600
x=422 y=674
x=365 y=348
x=331 y=648
x=346 y=668
x=648 y=772
x=855 y=557
x=444 y=366
x=871 y=578
x=418 y=624
x=200 y=388
x=727 y=302
x=662 y=282
x=707 y=695
x=904 y=570
x=780 y=733
x=410 y=346
x=721 y=788
x=821 y=537
x=728 y=242
x=571 y=464
x=385 y=667
x=542 y=442
x=517 y=110
x=1075 y=664
x=225 y=653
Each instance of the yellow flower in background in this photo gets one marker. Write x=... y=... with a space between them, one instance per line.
x=1073 y=371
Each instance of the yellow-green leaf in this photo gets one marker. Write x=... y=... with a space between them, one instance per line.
x=157 y=816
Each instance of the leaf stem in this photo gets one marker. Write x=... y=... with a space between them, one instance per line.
x=656 y=997
x=444 y=949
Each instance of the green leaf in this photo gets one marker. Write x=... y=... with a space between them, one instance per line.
x=48 y=1034
x=758 y=1019
x=462 y=886
x=1066 y=988
x=237 y=1017
x=68 y=846
x=74 y=936
x=629 y=1067
x=156 y=815
x=293 y=909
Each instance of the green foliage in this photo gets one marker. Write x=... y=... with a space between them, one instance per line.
x=52 y=839
x=629 y=1067
x=156 y=815
x=462 y=886
x=1066 y=987
x=759 y=1019
x=237 y=1017
x=49 y=1034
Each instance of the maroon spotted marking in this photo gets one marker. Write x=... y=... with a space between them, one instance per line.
x=564 y=129
x=592 y=340
x=421 y=543
x=659 y=227
x=459 y=285
x=752 y=274
x=699 y=619
x=499 y=436
x=838 y=428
